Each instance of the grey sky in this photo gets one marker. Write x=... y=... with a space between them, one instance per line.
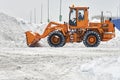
x=22 y=8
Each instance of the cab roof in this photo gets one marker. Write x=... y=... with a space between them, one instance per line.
x=78 y=7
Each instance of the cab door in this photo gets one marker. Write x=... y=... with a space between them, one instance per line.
x=82 y=18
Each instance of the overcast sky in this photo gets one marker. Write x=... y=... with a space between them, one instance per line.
x=22 y=8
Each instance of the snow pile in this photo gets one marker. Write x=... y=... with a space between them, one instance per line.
x=95 y=20
x=26 y=26
x=11 y=33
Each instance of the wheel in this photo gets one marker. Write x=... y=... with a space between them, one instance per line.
x=91 y=39
x=56 y=39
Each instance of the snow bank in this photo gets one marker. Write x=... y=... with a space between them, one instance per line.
x=11 y=33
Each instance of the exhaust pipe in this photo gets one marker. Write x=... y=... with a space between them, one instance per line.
x=102 y=17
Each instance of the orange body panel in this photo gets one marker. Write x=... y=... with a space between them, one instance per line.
x=109 y=31
x=106 y=30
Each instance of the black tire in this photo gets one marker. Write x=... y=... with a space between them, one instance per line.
x=91 y=39
x=60 y=39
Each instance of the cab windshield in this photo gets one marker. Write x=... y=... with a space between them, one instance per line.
x=72 y=17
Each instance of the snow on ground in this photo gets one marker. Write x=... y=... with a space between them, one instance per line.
x=59 y=64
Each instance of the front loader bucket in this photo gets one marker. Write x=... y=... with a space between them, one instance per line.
x=32 y=38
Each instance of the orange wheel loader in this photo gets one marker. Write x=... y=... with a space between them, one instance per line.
x=79 y=29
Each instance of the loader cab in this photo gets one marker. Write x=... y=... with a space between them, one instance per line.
x=78 y=17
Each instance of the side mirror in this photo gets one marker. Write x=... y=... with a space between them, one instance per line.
x=110 y=19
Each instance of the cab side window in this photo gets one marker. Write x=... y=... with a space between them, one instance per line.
x=81 y=15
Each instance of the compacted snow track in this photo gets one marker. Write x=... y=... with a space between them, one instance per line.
x=59 y=64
